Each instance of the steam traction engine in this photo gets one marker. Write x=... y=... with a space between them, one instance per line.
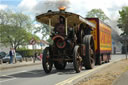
x=72 y=41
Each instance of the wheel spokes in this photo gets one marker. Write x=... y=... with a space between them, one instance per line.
x=91 y=55
x=79 y=60
x=48 y=63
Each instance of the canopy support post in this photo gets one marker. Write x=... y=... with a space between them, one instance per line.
x=49 y=26
x=66 y=28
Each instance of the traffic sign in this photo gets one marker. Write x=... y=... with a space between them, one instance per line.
x=41 y=44
x=33 y=41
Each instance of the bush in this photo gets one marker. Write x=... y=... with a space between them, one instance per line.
x=28 y=52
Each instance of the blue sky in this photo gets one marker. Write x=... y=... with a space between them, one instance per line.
x=10 y=2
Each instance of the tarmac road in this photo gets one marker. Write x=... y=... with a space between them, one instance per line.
x=34 y=75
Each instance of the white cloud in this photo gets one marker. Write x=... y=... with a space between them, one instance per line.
x=110 y=7
x=2 y=7
x=27 y=5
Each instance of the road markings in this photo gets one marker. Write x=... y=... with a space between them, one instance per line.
x=11 y=78
x=69 y=81
x=15 y=73
x=8 y=80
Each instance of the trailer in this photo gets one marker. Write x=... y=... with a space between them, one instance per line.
x=102 y=40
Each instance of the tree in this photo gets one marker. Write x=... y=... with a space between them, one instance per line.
x=15 y=28
x=97 y=13
x=123 y=20
x=45 y=31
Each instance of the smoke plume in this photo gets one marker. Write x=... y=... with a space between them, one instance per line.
x=116 y=39
x=44 y=6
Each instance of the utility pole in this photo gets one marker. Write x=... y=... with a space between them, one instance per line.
x=126 y=48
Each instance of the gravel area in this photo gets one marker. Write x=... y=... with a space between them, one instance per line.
x=107 y=75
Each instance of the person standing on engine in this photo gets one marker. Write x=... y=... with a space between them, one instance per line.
x=60 y=27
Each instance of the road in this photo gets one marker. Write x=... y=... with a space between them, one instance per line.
x=34 y=75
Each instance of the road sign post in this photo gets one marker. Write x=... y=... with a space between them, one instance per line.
x=41 y=44
x=33 y=42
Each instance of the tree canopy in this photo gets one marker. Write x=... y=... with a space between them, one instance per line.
x=45 y=31
x=15 y=28
x=97 y=13
x=123 y=20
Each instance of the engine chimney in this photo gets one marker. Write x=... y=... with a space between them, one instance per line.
x=62 y=8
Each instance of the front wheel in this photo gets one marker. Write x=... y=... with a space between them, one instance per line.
x=47 y=62
x=77 y=59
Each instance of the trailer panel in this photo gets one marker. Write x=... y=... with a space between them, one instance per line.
x=102 y=36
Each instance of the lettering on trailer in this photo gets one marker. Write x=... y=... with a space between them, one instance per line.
x=105 y=37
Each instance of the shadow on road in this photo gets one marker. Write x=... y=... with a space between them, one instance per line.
x=66 y=71
x=40 y=73
x=32 y=74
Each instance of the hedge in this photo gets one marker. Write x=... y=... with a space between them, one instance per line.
x=28 y=52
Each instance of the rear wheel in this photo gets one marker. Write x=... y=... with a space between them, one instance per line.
x=47 y=62
x=60 y=65
x=77 y=59
x=89 y=59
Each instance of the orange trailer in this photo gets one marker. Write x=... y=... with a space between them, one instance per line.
x=102 y=40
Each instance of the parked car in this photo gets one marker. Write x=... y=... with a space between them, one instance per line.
x=7 y=58
x=2 y=54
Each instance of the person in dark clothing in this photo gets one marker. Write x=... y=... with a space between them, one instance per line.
x=62 y=20
x=88 y=30
x=60 y=27
x=35 y=57
x=11 y=56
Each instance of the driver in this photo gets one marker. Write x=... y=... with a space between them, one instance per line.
x=60 y=27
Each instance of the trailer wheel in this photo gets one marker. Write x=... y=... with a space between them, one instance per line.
x=99 y=60
x=60 y=66
x=77 y=59
x=47 y=62
x=108 y=58
x=89 y=59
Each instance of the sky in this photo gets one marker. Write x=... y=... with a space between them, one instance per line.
x=34 y=7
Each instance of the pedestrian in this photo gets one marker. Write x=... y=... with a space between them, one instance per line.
x=11 y=56
x=35 y=57
x=14 y=55
x=41 y=55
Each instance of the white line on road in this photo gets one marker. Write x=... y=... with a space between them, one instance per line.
x=8 y=80
x=15 y=72
x=12 y=78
